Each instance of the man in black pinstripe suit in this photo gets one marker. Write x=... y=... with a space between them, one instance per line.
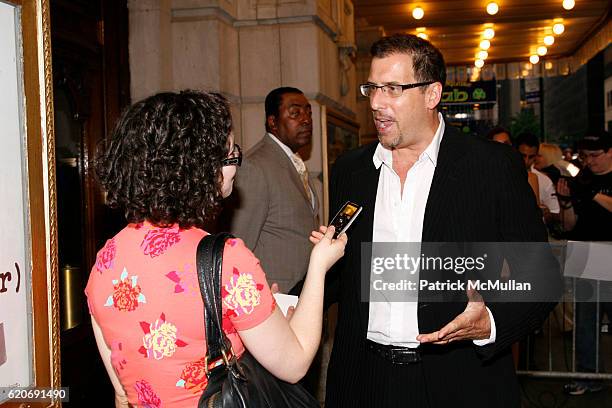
x=426 y=182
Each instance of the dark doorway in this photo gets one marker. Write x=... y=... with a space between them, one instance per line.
x=91 y=86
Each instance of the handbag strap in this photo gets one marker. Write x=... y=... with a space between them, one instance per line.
x=209 y=260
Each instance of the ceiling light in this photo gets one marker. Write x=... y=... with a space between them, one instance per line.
x=482 y=55
x=479 y=63
x=485 y=44
x=548 y=65
x=488 y=33
x=549 y=40
x=534 y=59
x=542 y=50
x=558 y=28
x=418 y=13
x=492 y=8
x=422 y=35
x=568 y=4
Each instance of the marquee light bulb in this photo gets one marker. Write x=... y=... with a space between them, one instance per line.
x=492 y=8
x=549 y=40
x=558 y=28
x=488 y=33
x=418 y=13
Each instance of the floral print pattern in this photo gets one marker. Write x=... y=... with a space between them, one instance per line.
x=147 y=398
x=118 y=360
x=241 y=294
x=126 y=293
x=185 y=281
x=193 y=377
x=158 y=240
x=106 y=256
x=160 y=339
x=156 y=351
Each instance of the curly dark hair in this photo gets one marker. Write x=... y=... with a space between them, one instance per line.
x=162 y=162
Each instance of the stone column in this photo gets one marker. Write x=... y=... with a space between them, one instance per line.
x=244 y=49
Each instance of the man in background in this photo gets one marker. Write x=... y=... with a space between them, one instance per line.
x=275 y=207
x=586 y=204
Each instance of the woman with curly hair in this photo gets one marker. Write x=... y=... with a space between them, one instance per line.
x=169 y=162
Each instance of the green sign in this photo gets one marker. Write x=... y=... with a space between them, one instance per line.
x=470 y=93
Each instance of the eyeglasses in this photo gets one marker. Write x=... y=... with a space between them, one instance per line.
x=392 y=90
x=234 y=158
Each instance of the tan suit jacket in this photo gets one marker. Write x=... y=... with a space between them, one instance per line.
x=271 y=212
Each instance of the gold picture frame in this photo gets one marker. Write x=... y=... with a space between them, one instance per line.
x=36 y=88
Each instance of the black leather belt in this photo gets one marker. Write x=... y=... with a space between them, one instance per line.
x=395 y=354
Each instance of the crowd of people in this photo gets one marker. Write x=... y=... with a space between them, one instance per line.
x=171 y=161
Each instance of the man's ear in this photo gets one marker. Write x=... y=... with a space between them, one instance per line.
x=271 y=122
x=433 y=95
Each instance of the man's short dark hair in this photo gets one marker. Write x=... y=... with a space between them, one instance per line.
x=596 y=140
x=275 y=98
x=496 y=131
x=528 y=139
x=427 y=60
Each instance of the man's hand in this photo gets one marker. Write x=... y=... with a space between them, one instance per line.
x=472 y=324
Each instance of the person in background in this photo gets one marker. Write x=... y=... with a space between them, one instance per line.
x=500 y=134
x=276 y=206
x=586 y=203
x=169 y=162
x=528 y=146
x=550 y=162
x=546 y=161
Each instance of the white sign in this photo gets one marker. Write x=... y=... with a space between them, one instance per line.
x=15 y=265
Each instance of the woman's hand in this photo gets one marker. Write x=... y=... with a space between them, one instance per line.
x=327 y=250
x=315 y=236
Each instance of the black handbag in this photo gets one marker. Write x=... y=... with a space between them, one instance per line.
x=235 y=382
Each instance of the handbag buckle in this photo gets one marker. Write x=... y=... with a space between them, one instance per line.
x=227 y=360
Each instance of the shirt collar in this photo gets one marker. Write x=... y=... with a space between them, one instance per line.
x=283 y=146
x=383 y=155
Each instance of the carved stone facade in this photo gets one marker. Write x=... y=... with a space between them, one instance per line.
x=244 y=49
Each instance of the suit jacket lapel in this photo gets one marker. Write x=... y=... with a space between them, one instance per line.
x=451 y=151
x=288 y=165
x=364 y=183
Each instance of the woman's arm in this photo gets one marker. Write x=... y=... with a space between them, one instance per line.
x=121 y=400
x=286 y=348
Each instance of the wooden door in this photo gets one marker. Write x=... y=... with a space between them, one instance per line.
x=91 y=87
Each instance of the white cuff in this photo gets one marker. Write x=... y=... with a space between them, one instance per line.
x=493 y=335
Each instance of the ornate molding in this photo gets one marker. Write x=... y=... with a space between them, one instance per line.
x=347 y=54
x=46 y=68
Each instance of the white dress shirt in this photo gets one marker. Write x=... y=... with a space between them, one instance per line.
x=398 y=217
x=289 y=154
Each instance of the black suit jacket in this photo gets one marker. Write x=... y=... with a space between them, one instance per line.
x=479 y=193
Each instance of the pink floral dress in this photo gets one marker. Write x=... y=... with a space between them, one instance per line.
x=143 y=291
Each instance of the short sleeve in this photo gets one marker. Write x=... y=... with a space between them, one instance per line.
x=247 y=299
